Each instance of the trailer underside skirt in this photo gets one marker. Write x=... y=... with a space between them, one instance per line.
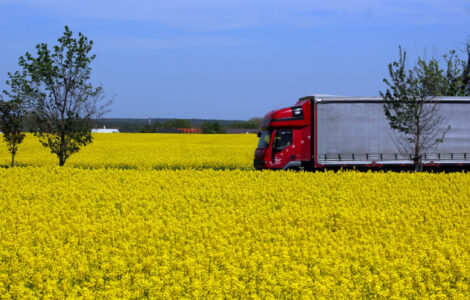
x=395 y=163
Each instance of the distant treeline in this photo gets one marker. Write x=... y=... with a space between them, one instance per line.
x=167 y=125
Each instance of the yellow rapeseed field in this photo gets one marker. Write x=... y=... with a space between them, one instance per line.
x=127 y=218
x=146 y=150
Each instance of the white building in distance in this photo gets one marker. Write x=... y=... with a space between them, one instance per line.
x=105 y=130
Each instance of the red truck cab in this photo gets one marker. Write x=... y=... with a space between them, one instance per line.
x=286 y=138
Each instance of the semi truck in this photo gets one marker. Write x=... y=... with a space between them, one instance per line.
x=330 y=132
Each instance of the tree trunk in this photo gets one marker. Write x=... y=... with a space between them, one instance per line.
x=62 y=150
x=417 y=159
x=416 y=163
x=12 y=160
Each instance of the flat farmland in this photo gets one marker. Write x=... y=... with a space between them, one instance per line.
x=186 y=216
x=147 y=150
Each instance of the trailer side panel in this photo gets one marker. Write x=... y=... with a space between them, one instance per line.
x=358 y=133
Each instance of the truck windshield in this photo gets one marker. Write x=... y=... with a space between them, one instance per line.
x=264 y=139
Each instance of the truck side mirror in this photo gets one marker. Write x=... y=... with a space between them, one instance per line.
x=259 y=134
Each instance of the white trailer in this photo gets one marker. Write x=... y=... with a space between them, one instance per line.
x=354 y=131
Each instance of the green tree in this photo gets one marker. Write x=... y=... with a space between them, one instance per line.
x=12 y=114
x=253 y=123
x=466 y=70
x=177 y=123
x=411 y=106
x=212 y=127
x=150 y=128
x=63 y=101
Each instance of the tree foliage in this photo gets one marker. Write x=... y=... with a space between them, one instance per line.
x=12 y=114
x=176 y=123
x=466 y=70
x=57 y=86
x=212 y=127
x=167 y=125
x=253 y=123
x=410 y=101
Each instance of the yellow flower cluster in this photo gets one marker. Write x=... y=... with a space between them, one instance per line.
x=138 y=233
x=159 y=151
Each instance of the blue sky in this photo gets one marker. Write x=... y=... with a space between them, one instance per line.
x=234 y=59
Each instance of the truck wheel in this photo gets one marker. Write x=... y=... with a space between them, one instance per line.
x=295 y=169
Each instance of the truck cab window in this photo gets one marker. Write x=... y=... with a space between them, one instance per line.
x=282 y=139
x=264 y=139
